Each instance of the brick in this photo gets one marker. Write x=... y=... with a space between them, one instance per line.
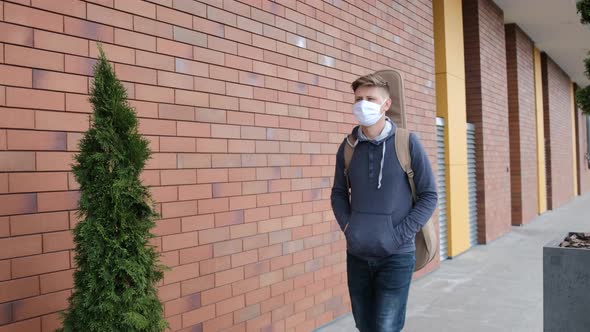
x=15 y=34
x=227 y=248
x=242 y=202
x=60 y=43
x=214 y=235
x=224 y=102
x=135 y=40
x=255 y=187
x=194 y=160
x=229 y=276
x=208 y=55
x=196 y=254
x=219 y=323
x=173 y=17
x=61 y=82
x=197 y=285
x=57 y=201
x=119 y=54
x=169 y=292
x=5 y=270
x=136 y=6
x=192 y=192
x=197 y=316
x=225 y=131
x=230 y=305
x=40 y=264
x=177 y=144
x=153 y=93
x=239 y=231
x=192 y=98
x=166 y=227
x=17 y=161
x=110 y=16
x=191 y=129
x=78 y=103
x=31 y=182
x=53 y=282
x=89 y=30
x=212 y=175
x=183 y=304
x=154 y=60
x=191 y=67
x=215 y=265
x=179 y=209
x=157 y=127
x=244 y=258
x=69 y=7
x=40 y=305
x=181 y=272
x=198 y=222
x=61 y=121
x=152 y=27
x=33 y=17
x=241 y=146
x=50 y=322
x=176 y=81
x=226 y=160
x=216 y=294
x=28 y=57
x=19 y=289
x=179 y=241
x=16 y=76
x=136 y=74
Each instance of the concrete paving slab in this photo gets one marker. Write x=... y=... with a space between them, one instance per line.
x=490 y=288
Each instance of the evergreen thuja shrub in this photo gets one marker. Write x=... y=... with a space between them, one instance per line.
x=116 y=267
x=583 y=95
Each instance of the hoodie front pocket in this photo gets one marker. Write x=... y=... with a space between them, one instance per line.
x=370 y=235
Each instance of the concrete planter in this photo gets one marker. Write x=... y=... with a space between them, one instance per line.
x=566 y=288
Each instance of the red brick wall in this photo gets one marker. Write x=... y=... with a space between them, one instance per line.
x=487 y=109
x=558 y=133
x=245 y=104
x=522 y=124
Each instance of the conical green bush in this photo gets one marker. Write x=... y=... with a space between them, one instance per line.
x=116 y=267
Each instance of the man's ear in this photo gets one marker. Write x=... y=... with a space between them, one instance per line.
x=387 y=104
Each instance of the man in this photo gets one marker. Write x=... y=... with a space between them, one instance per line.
x=381 y=220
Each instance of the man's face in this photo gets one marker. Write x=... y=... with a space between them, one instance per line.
x=373 y=94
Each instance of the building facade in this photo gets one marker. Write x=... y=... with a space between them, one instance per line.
x=245 y=104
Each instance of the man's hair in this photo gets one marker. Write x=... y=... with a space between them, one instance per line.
x=371 y=80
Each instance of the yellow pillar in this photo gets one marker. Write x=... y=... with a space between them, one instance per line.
x=451 y=105
x=541 y=175
x=574 y=139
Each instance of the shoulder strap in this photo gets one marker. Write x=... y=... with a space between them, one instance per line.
x=348 y=151
x=402 y=149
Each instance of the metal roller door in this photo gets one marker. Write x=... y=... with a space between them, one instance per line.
x=472 y=184
x=442 y=186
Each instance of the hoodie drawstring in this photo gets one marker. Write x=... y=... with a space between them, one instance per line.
x=381 y=169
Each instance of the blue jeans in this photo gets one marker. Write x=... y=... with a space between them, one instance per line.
x=379 y=291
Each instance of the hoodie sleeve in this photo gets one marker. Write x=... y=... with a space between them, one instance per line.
x=339 y=196
x=426 y=195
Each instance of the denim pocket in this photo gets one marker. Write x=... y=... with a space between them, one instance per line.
x=370 y=235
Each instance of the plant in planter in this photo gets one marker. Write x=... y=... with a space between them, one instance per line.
x=566 y=283
x=583 y=95
x=116 y=268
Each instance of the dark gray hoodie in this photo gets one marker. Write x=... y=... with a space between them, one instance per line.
x=381 y=220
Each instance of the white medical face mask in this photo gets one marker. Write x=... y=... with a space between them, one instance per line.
x=367 y=113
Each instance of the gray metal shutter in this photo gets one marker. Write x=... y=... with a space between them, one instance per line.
x=442 y=186
x=472 y=184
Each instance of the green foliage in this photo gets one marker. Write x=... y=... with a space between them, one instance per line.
x=117 y=268
x=583 y=7
x=583 y=95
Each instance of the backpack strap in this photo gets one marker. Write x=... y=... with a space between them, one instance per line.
x=351 y=141
x=402 y=149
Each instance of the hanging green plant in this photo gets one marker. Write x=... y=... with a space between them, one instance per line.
x=116 y=267
x=583 y=95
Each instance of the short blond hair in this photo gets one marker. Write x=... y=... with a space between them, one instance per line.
x=371 y=80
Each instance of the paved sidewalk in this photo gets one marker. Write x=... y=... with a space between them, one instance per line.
x=496 y=287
